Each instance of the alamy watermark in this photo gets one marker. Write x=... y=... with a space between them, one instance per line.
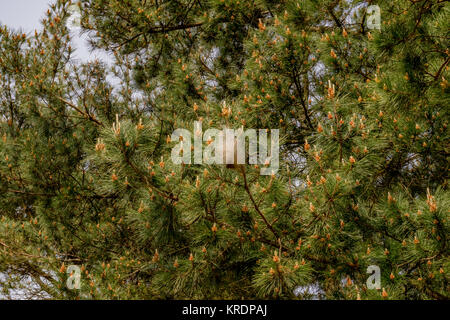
x=74 y=279
x=227 y=146
x=374 y=280
x=74 y=19
x=373 y=17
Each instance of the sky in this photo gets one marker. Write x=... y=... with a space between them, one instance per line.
x=25 y=15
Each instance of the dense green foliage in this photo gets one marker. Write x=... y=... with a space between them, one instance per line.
x=86 y=177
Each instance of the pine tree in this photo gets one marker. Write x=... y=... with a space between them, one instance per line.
x=85 y=156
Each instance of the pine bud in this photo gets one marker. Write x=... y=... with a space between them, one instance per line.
x=308 y=181
x=275 y=258
x=140 y=126
x=331 y=91
x=316 y=156
x=197 y=182
x=319 y=128
x=100 y=146
x=307 y=146
x=288 y=31
x=349 y=281
x=431 y=201
x=116 y=126
x=333 y=54
x=352 y=160
x=390 y=198
x=261 y=26
x=155 y=256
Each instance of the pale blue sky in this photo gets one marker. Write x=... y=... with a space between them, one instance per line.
x=26 y=15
